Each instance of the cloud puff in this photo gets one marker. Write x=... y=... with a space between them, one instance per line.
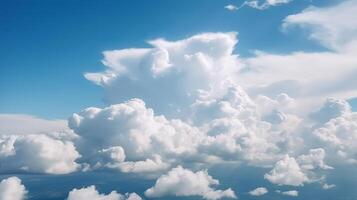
x=287 y=172
x=293 y=193
x=313 y=160
x=338 y=136
x=133 y=129
x=295 y=172
x=332 y=108
x=183 y=182
x=38 y=153
x=133 y=139
x=231 y=7
x=258 y=191
x=12 y=189
x=90 y=192
x=179 y=68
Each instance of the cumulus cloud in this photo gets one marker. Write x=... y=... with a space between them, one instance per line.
x=293 y=193
x=183 y=182
x=12 y=189
x=179 y=68
x=314 y=159
x=91 y=192
x=287 y=172
x=296 y=172
x=338 y=136
x=258 y=191
x=134 y=131
x=38 y=153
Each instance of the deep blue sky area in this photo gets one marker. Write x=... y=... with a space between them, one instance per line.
x=46 y=46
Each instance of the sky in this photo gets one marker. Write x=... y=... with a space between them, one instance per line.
x=47 y=46
x=164 y=99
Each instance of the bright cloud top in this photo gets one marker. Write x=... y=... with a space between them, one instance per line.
x=183 y=182
x=90 y=192
x=258 y=191
x=12 y=189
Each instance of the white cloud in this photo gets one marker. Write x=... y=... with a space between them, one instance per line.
x=26 y=124
x=91 y=193
x=326 y=186
x=264 y=4
x=313 y=160
x=332 y=26
x=293 y=193
x=183 y=182
x=148 y=165
x=258 y=191
x=145 y=139
x=231 y=7
x=332 y=108
x=179 y=68
x=39 y=153
x=287 y=172
x=12 y=189
x=338 y=136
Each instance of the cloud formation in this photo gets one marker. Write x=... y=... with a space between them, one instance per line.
x=91 y=192
x=194 y=102
x=37 y=153
x=183 y=182
x=293 y=193
x=258 y=191
x=12 y=189
x=287 y=172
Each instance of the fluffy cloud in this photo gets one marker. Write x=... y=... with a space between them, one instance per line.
x=91 y=193
x=293 y=193
x=133 y=129
x=38 y=153
x=133 y=139
x=313 y=160
x=183 y=182
x=12 y=189
x=295 y=172
x=338 y=136
x=287 y=172
x=179 y=68
x=258 y=191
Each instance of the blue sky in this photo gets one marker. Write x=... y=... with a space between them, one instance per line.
x=47 y=46
x=168 y=99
